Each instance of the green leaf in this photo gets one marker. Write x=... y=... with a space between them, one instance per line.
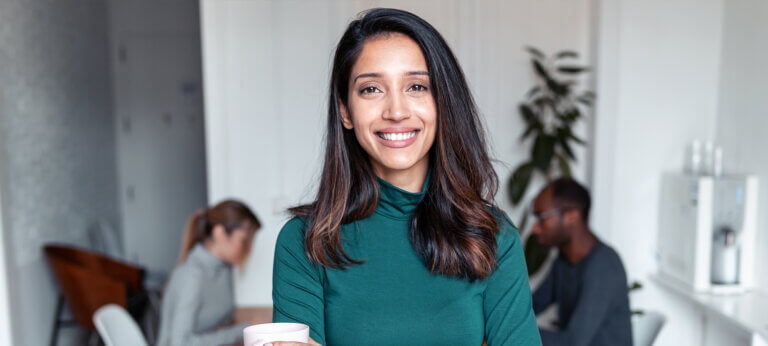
x=543 y=101
x=518 y=182
x=527 y=113
x=533 y=91
x=535 y=52
x=568 y=117
x=565 y=167
x=543 y=150
x=571 y=115
x=535 y=254
x=572 y=69
x=541 y=71
x=576 y=139
x=557 y=88
x=566 y=148
x=530 y=129
x=584 y=100
x=567 y=54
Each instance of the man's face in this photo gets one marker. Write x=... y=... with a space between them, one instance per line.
x=548 y=224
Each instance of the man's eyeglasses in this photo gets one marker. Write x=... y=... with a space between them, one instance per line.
x=549 y=213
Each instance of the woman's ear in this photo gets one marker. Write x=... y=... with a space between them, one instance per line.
x=219 y=233
x=346 y=121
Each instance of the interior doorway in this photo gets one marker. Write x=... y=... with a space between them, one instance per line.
x=160 y=142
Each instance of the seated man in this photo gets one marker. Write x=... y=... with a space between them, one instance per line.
x=587 y=280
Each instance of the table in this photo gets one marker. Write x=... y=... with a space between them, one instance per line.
x=253 y=314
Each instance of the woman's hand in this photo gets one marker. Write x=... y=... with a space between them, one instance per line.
x=292 y=343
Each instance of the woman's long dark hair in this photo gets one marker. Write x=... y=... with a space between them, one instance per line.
x=454 y=228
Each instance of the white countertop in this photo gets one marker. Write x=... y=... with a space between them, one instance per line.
x=748 y=311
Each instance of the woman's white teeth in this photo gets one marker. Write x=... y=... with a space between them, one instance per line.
x=401 y=136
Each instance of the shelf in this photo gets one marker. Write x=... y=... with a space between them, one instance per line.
x=747 y=311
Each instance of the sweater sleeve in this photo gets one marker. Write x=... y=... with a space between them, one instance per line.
x=183 y=319
x=297 y=284
x=509 y=318
x=545 y=293
x=602 y=283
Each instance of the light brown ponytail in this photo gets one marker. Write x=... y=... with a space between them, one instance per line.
x=194 y=233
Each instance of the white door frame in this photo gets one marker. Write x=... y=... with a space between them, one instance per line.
x=6 y=337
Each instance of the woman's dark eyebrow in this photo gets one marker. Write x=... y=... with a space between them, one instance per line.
x=365 y=75
x=377 y=75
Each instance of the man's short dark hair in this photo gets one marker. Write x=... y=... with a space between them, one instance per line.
x=567 y=192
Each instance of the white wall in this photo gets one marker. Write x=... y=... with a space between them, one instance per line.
x=56 y=137
x=658 y=83
x=266 y=70
x=743 y=113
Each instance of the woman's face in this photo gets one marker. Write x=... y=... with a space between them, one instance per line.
x=235 y=246
x=390 y=105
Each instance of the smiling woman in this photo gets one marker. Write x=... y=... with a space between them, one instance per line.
x=403 y=243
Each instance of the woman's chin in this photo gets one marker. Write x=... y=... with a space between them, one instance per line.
x=401 y=165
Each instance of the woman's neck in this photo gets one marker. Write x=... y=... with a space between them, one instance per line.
x=214 y=250
x=411 y=179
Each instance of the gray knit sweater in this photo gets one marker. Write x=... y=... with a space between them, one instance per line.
x=198 y=304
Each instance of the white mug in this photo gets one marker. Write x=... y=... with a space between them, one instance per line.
x=260 y=334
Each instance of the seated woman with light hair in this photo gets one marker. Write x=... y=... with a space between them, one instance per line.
x=198 y=304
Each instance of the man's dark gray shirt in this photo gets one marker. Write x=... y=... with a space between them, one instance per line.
x=592 y=297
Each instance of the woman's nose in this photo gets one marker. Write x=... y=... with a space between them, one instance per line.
x=397 y=109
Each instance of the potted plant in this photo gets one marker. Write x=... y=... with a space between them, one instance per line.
x=551 y=109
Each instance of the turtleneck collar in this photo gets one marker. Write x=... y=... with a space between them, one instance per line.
x=202 y=256
x=397 y=203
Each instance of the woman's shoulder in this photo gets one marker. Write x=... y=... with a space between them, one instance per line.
x=186 y=275
x=507 y=234
x=289 y=250
x=506 y=225
x=292 y=233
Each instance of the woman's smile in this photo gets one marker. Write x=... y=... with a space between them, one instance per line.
x=397 y=137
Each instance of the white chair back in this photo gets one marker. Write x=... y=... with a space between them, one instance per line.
x=116 y=327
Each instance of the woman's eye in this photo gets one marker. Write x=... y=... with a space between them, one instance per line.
x=417 y=87
x=369 y=90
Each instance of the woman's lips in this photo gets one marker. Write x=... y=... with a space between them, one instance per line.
x=397 y=138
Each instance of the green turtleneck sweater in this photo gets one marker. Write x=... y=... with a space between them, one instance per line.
x=392 y=298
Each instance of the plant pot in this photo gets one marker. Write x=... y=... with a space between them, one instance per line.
x=646 y=327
